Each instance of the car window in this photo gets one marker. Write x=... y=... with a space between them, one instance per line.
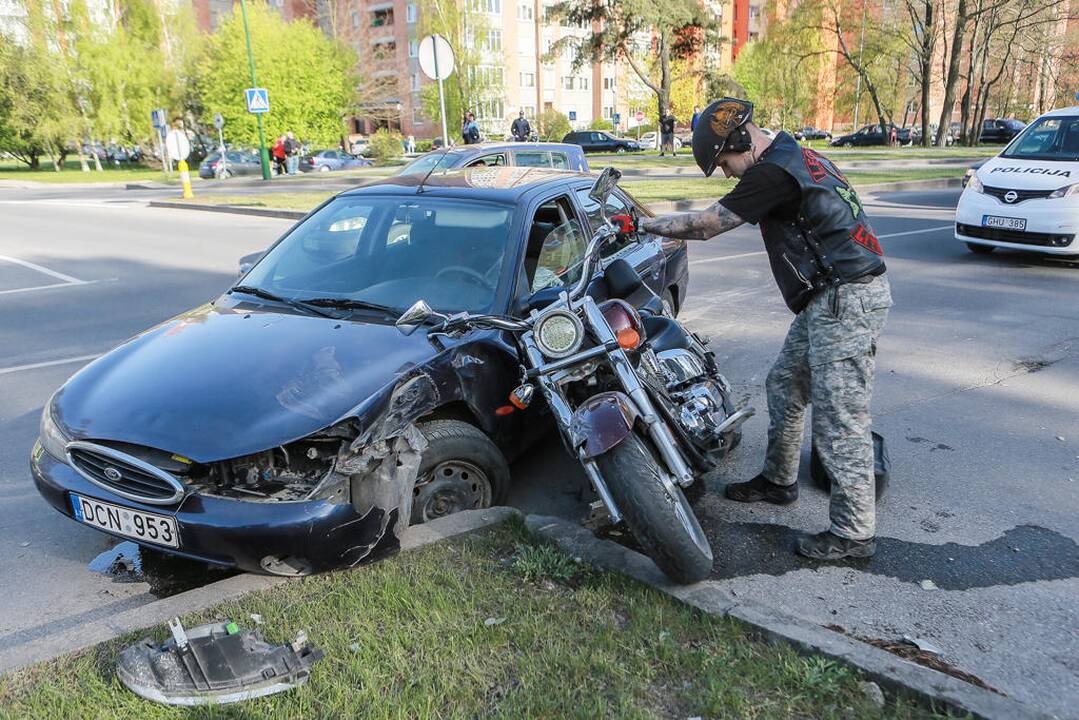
x=532 y=158
x=234 y=157
x=598 y=137
x=616 y=205
x=559 y=161
x=1054 y=138
x=496 y=160
x=556 y=247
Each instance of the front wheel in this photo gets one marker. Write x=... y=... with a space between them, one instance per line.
x=621 y=150
x=662 y=523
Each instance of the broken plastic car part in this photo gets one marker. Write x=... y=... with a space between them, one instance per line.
x=215 y=663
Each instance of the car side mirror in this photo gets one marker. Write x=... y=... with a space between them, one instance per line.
x=415 y=316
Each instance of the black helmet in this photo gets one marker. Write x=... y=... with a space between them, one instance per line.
x=721 y=128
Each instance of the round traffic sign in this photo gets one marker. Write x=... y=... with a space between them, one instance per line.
x=639 y=116
x=177 y=144
x=436 y=57
x=219 y=122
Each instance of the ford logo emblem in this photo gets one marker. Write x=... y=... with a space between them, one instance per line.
x=1011 y=196
x=113 y=474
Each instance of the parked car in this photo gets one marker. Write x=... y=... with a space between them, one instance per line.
x=237 y=162
x=1000 y=130
x=557 y=156
x=327 y=160
x=298 y=430
x=1027 y=197
x=871 y=135
x=601 y=141
x=811 y=133
x=650 y=141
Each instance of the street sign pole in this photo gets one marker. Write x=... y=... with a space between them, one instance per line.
x=442 y=104
x=263 y=154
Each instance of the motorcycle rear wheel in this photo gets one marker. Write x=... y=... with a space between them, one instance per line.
x=665 y=526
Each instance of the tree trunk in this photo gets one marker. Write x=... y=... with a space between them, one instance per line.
x=952 y=75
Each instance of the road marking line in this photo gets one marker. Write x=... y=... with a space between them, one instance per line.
x=47 y=287
x=49 y=363
x=40 y=269
x=764 y=252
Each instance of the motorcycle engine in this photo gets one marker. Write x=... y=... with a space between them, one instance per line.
x=699 y=397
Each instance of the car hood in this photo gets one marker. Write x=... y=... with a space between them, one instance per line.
x=218 y=383
x=1028 y=174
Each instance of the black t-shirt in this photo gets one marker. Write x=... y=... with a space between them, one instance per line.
x=666 y=124
x=765 y=189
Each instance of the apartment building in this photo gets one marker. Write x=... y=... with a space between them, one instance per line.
x=210 y=13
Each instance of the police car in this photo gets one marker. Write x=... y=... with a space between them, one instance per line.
x=1027 y=197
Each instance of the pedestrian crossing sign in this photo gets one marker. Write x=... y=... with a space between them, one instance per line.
x=258 y=100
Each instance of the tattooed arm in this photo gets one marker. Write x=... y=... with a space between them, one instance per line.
x=693 y=226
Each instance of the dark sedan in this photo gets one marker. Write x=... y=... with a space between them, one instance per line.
x=286 y=426
x=556 y=156
x=599 y=141
x=1000 y=130
x=871 y=135
x=812 y=133
x=236 y=162
x=327 y=160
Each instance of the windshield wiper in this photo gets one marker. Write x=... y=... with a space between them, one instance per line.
x=267 y=295
x=351 y=304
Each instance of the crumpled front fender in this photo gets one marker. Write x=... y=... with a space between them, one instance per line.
x=602 y=422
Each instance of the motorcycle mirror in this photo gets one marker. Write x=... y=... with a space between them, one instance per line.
x=604 y=184
x=414 y=316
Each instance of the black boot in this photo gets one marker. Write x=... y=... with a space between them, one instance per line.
x=760 y=488
x=827 y=546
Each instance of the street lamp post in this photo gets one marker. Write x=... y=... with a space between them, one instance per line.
x=264 y=155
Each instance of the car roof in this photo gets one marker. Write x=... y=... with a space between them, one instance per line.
x=1062 y=112
x=502 y=183
x=486 y=147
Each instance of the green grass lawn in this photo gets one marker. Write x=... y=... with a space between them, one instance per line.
x=492 y=625
x=14 y=170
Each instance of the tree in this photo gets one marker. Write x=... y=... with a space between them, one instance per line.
x=922 y=41
x=555 y=125
x=309 y=77
x=33 y=106
x=650 y=35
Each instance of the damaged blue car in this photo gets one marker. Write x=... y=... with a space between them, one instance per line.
x=288 y=427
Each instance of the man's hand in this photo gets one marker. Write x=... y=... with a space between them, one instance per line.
x=693 y=226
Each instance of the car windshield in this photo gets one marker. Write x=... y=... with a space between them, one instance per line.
x=392 y=251
x=426 y=163
x=1052 y=138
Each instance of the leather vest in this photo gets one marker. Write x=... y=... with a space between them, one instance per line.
x=829 y=241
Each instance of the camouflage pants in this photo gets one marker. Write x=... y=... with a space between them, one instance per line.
x=828 y=360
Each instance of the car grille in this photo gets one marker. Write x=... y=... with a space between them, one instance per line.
x=124 y=475
x=1014 y=236
x=1021 y=195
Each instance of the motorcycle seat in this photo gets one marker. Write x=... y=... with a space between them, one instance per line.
x=664 y=333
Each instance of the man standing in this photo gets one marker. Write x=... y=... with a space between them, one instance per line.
x=520 y=129
x=292 y=153
x=470 y=132
x=693 y=120
x=666 y=133
x=828 y=264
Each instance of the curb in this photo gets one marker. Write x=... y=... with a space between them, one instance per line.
x=230 y=209
x=669 y=206
x=159 y=611
x=888 y=670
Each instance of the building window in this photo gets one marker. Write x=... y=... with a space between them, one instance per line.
x=754 y=12
x=493 y=7
x=417 y=116
x=415 y=82
x=525 y=11
x=490 y=110
x=355 y=17
x=582 y=83
x=382 y=18
x=567 y=82
x=529 y=111
x=413 y=48
x=528 y=80
x=608 y=112
x=754 y=35
x=410 y=13
x=493 y=42
x=608 y=83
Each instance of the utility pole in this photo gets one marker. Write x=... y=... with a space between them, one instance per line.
x=264 y=155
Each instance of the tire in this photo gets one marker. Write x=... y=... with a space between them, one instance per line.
x=980 y=249
x=460 y=453
x=621 y=150
x=657 y=521
x=323 y=168
x=848 y=144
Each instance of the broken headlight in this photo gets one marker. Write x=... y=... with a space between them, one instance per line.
x=53 y=439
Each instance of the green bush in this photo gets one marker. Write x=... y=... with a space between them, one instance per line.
x=424 y=146
x=601 y=124
x=386 y=146
x=555 y=125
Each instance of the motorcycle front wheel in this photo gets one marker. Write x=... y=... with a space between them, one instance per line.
x=662 y=523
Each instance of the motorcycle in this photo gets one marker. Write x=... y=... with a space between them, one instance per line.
x=637 y=398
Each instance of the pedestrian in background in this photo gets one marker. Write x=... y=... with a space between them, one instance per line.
x=279 y=155
x=666 y=133
x=411 y=145
x=693 y=120
x=292 y=153
x=471 y=131
x=520 y=128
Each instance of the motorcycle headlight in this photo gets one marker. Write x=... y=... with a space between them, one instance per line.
x=52 y=438
x=972 y=182
x=1066 y=191
x=559 y=334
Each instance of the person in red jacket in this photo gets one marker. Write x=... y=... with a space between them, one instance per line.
x=279 y=156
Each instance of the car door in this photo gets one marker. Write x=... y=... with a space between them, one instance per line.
x=641 y=250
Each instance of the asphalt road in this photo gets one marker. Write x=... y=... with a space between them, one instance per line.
x=977 y=394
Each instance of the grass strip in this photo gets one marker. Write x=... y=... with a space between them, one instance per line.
x=494 y=625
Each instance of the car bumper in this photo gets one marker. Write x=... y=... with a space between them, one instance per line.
x=314 y=535
x=1051 y=224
